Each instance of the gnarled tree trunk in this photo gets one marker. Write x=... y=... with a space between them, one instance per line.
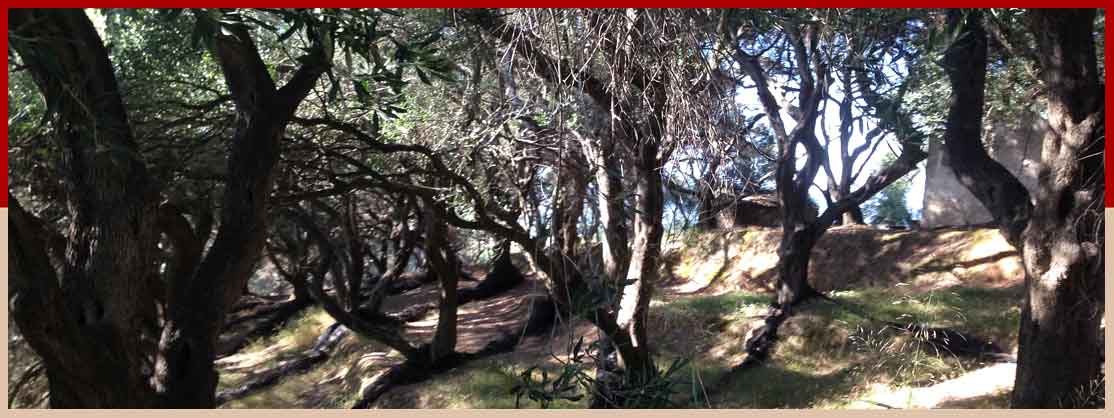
x=91 y=325
x=995 y=187
x=1060 y=347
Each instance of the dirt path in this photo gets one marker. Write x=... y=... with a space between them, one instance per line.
x=479 y=322
x=976 y=385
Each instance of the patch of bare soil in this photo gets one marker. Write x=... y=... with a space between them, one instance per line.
x=478 y=322
x=846 y=257
x=712 y=263
x=973 y=389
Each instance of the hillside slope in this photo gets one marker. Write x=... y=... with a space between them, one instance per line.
x=716 y=288
x=846 y=258
x=965 y=279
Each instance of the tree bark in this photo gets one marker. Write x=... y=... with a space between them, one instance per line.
x=602 y=153
x=642 y=273
x=403 y=239
x=443 y=262
x=1060 y=346
x=198 y=308
x=994 y=186
x=90 y=327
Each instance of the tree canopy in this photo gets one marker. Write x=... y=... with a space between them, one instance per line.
x=163 y=160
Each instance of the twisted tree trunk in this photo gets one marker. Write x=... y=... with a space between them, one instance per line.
x=95 y=328
x=1060 y=346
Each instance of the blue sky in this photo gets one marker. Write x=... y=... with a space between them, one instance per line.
x=747 y=98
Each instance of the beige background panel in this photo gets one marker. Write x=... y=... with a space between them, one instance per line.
x=4 y=272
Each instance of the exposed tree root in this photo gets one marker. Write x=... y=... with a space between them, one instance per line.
x=414 y=313
x=255 y=309
x=273 y=320
x=320 y=352
x=31 y=373
x=543 y=315
x=408 y=372
x=503 y=276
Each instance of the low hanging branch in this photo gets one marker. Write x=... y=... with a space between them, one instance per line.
x=320 y=352
x=380 y=328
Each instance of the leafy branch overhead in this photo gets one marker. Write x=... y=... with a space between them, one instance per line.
x=604 y=208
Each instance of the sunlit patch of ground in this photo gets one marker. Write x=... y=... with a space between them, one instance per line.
x=298 y=335
x=828 y=357
x=332 y=384
x=716 y=292
x=847 y=257
x=981 y=388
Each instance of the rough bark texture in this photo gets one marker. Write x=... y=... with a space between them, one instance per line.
x=1060 y=348
x=616 y=252
x=998 y=190
x=102 y=350
x=642 y=273
x=197 y=308
x=444 y=263
x=92 y=324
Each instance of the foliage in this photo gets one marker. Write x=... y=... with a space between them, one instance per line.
x=574 y=379
x=890 y=206
x=431 y=116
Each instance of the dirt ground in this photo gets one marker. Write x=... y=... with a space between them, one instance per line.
x=724 y=267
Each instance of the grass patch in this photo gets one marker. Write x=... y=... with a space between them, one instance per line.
x=780 y=385
x=332 y=384
x=992 y=313
x=828 y=355
x=482 y=384
x=300 y=332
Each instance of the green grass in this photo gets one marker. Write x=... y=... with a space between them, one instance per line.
x=729 y=306
x=482 y=384
x=828 y=357
x=986 y=312
x=300 y=332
